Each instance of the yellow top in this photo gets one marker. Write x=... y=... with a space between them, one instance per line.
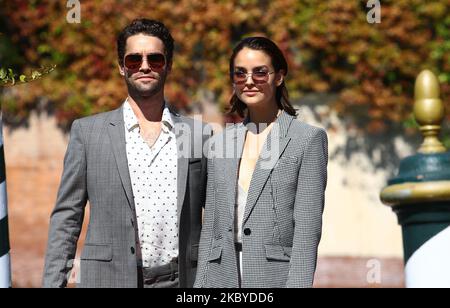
x=429 y=111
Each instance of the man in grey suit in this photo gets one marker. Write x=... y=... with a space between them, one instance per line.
x=142 y=169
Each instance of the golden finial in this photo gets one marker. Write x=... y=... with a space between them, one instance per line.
x=429 y=111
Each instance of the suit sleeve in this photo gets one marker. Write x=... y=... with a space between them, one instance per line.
x=207 y=227
x=207 y=134
x=67 y=217
x=309 y=205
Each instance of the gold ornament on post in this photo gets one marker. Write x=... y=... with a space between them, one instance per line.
x=429 y=111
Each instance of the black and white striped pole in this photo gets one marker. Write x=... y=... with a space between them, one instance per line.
x=5 y=265
x=420 y=194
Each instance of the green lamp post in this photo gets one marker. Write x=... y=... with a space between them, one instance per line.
x=420 y=194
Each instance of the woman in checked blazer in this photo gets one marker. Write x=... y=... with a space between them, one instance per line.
x=266 y=183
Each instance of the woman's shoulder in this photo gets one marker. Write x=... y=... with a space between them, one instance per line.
x=304 y=135
x=302 y=130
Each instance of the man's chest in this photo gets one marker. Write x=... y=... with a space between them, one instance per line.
x=157 y=163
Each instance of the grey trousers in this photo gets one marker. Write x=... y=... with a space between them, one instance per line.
x=165 y=276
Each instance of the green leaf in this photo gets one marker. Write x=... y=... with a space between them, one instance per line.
x=446 y=140
x=410 y=122
x=444 y=77
x=23 y=78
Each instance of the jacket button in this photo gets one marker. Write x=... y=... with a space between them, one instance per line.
x=132 y=250
x=247 y=231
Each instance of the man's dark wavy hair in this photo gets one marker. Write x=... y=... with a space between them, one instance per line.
x=148 y=27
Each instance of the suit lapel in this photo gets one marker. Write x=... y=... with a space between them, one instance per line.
x=183 y=141
x=269 y=156
x=116 y=131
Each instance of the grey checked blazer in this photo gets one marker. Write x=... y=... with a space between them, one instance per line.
x=96 y=170
x=283 y=215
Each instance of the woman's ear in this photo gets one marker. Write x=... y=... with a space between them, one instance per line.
x=279 y=78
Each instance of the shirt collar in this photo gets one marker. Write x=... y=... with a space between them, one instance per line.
x=131 y=121
x=167 y=119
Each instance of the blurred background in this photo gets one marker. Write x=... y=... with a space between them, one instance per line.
x=349 y=73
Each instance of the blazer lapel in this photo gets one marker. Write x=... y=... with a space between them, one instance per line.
x=116 y=131
x=268 y=158
x=183 y=160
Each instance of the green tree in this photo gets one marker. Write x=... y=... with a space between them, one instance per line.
x=330 y=47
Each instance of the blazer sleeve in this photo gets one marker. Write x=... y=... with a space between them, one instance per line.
x=207 y=226
x=308 y=209
x=67 y=217
x=207 y=134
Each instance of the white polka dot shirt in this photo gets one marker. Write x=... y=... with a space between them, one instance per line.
x=153 y=174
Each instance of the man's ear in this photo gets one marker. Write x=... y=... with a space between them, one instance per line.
x=169 y=66
x=121 y=70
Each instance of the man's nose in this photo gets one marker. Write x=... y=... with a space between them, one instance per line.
x=144 y=65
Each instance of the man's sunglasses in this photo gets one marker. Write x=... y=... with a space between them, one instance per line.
x=154 y=60
x=259 y=76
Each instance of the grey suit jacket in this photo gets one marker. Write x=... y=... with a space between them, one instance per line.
x=283 y=215
x=96 y=170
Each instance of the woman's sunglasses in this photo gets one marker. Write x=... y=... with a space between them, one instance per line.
x=154 y=60
x=259 y=76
